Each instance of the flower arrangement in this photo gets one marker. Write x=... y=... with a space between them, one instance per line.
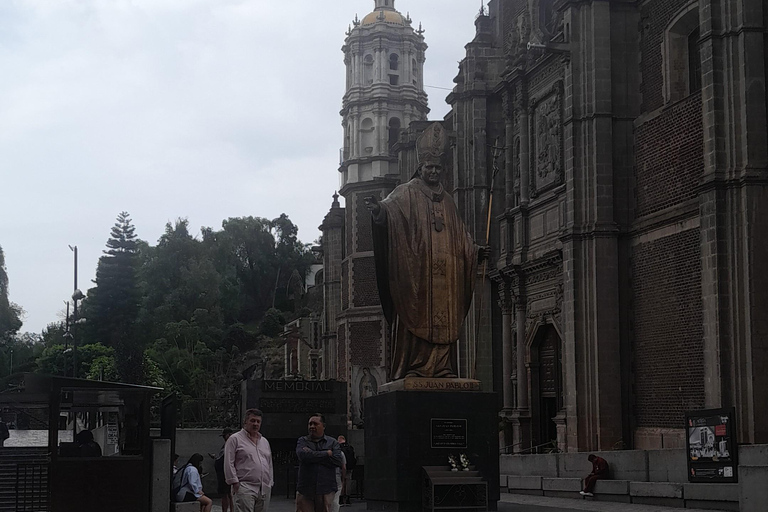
x=452 y=462
x=464 y=462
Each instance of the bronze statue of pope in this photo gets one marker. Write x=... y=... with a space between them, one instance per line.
x=426 y=266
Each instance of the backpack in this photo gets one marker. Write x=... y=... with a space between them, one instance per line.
x=177 y=482
x=349 y=453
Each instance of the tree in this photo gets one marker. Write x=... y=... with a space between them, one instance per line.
x=10 y=313
x=97 y=362
x=180 y=282
x=112 y=306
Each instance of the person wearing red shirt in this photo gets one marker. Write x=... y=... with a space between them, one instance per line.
x=599 y=472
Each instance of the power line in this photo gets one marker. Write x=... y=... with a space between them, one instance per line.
x=436 y=87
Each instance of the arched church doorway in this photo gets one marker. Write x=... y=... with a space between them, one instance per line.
x=547 y=383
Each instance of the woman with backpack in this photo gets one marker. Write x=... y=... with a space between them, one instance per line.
x=190 y=488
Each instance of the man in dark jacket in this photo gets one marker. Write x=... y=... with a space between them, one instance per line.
x=599 y=472
x=319 y=456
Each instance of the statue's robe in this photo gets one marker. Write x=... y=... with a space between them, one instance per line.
x=426 y=263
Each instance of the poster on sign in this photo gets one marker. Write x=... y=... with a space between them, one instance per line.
x=711 y=446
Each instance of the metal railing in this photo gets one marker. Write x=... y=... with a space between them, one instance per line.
x=32 y=491
x=548 y=447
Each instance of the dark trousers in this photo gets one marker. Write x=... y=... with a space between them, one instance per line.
x=591 y=480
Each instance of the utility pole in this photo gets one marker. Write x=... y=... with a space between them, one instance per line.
x=76 y=296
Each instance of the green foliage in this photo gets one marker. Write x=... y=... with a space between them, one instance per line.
x=189 y=314
x=10 y=313
x=272 y=323
x=94 y=360
x=18 y=354
x=54 y=334
x=112 y=307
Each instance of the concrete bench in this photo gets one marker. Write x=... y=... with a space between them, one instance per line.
x=524 y=482
x=189 y=506
x=561 y=484
x=612 y=487
x=662 y=494
x=656 y=489
x=720 y=496
x=561 y=487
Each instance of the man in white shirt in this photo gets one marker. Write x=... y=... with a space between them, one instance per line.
x=248 y=465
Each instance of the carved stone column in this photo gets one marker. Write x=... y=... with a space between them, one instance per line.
x=507 y=305
x=509 y=178
x=522 y=367
x=521 y=418
x=521 y=108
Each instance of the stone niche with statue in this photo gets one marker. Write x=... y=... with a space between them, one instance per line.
x=426 y=267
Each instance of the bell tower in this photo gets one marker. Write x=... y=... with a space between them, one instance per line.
x=384 y=57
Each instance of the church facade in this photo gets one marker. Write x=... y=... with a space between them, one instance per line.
x=623 y=150
x=634 y=213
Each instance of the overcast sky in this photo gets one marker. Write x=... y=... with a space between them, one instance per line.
x=197 y=109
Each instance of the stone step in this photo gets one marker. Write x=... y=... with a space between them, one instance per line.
x=561 y=484
x=612 y=487
x=656 y=489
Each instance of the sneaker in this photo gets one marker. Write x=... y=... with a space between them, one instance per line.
x=586 y=493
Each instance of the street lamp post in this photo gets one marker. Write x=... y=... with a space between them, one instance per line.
x=76 y=296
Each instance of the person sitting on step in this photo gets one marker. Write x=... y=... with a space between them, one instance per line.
x=599 y=472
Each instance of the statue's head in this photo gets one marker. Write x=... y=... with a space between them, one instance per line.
x=430 y=153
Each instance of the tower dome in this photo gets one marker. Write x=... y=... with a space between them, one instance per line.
x=382 y=16
x=384 y=12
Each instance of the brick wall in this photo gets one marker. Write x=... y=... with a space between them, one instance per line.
x=365 y=344
x=670 y=159
x=668 y=350
x=655 y=16
x=365 y=290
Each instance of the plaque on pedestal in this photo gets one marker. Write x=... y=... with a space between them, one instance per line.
x=430 y=384
x=407 y=431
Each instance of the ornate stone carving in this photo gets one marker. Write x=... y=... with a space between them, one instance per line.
x=516 y=169
x=547 y=141
x=507 y=104
x=506 y=298
x=515 y=45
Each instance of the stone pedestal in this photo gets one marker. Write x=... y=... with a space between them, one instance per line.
x=406 y=430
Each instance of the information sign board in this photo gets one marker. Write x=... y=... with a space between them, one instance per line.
x=711 y=446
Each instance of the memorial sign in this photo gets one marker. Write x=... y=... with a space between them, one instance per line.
x=448 y=433
x=711 y=446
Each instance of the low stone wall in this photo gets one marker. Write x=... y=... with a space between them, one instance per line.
x=653 y=477
x=633 y=465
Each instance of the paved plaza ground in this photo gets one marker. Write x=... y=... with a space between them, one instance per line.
x=508 y=503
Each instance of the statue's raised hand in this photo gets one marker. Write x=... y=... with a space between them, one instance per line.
x=372 y=203
x=483 y=253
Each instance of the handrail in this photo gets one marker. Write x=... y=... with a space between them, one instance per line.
x=552 y=443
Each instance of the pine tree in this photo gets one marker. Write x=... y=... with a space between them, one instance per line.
x=112 y=306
